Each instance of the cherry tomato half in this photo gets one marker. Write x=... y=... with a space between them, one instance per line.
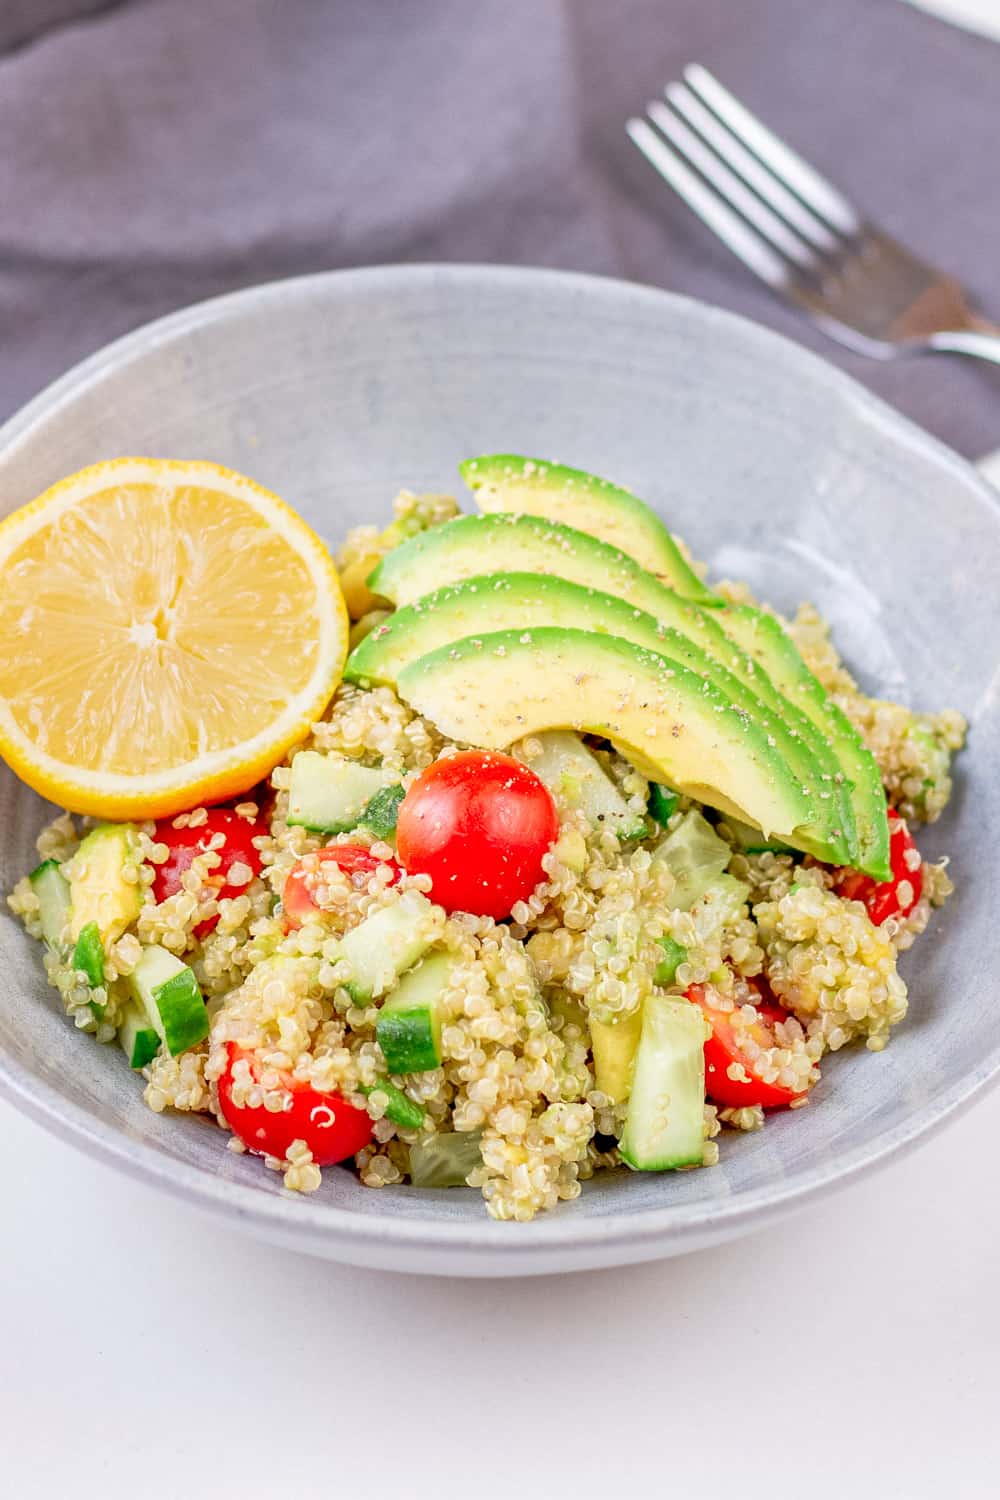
x=357 y=863
x=478 y=824
x=331 y=1128
x=882 y=897
x=723 y=1049
x=185 y=843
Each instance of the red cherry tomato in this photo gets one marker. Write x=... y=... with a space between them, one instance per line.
x=331 y=1128
x=723 y=1049
x=185 y=843
x=357 y=862
x=478 y=824
x=882 y=897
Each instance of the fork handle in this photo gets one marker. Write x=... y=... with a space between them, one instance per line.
x=984 y=344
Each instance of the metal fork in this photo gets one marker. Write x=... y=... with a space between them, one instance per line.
x=799 y=233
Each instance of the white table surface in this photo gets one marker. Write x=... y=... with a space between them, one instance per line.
x=148 y=1352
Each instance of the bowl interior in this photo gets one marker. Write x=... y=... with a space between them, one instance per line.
x=337 y=391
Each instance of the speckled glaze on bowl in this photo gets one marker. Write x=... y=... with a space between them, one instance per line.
x=336 y=391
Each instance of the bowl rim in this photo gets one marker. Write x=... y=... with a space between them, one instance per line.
x=605 y=1239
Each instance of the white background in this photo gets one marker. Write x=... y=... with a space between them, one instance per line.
x=148 y=1352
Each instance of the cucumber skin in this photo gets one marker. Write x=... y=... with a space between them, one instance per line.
x=147 y=1045
x=400 y=1109
x=168 y=995
x=407 y=1040
x=88 y=955
x=662 y=803
x=316 y=786
x=382 y=812
x=674 y=955
x=194 y=1025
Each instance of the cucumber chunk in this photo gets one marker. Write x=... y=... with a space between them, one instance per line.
x=386 y=944
x=674 y=954
x=576 y=777
x=139 y=1041
x=614 y=1047
x=382 y=812
x=400 y=1109
x=88 y=955
x=52 y=890
x=696 y=856
x=445 y=1160
x=664 y=1127
x=662 y=803
x=329 y=793
x=168 y=993
x=409 y=1024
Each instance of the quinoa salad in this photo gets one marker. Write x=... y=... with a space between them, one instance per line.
x=587 y=862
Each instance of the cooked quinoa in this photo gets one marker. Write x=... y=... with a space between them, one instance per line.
x=517 y=1071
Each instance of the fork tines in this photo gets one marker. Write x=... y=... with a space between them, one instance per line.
x=770 y=207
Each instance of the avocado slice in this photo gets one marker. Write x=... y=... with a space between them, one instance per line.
x=526 y=544
x=672 y=724
x=761 y=637
x=509 y=600
x=614 y=1046
x=415 y=574
x=506 y=482
x=454 y=552
x=103 y=881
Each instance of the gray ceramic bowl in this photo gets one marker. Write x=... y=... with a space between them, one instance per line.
x=336 y=391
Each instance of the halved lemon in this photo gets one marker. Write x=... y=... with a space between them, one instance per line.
x=167 y=630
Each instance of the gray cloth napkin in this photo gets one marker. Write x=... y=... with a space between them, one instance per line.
x=161 y=151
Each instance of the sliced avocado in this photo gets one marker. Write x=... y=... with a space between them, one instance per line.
x=524 y=600
x=435 y=578
x=512 y=544
x=505 y=482
x=614 y=1045
x=762 y=637
x=99 y=884
x=673 y=725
